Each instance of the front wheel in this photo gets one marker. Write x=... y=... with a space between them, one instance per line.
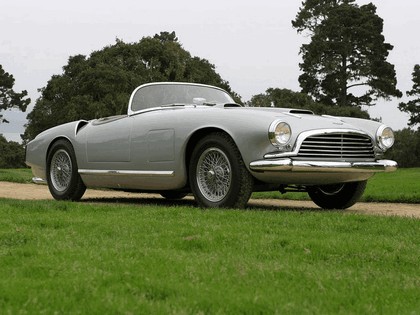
x=63 y=179
x=338 y=196
x=217 y=174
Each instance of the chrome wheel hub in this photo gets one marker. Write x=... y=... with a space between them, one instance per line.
x=60 y=170
x=214 y=176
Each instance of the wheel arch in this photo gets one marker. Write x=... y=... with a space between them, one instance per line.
x=52 y=143
x=196 y=136
x=232 y=187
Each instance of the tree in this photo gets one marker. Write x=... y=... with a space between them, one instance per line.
x=413 y=107
x=289 y=99
x=345 y=62
x=8 y=97
x=100 y=85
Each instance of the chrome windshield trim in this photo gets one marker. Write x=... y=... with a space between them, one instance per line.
x=127 y=173
x=303 y=135
x=131 y=112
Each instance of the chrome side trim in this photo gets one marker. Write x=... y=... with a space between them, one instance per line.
x=289 y=165
x=151 y=109
x=127 y=173
x=302 y=136
x=38 y=180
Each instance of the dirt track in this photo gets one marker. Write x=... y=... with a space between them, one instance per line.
x=40 y=192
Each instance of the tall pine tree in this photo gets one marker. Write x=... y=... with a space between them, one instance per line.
x=345 y=62
x=413 y=107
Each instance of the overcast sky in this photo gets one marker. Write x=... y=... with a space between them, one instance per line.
x=251 y=43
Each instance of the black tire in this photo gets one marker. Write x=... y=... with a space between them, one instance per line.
x=64 y=181
x=217 y=174
x=339 y=196
x=173 y=195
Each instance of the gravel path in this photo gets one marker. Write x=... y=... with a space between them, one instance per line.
x=40 y=192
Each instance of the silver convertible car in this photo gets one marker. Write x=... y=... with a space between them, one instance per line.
x=181 y=138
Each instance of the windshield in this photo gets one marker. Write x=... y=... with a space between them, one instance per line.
x=156 y=95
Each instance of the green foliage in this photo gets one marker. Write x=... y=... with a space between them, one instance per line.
x=345 y=63
x=289 y=99
x=413 y=107
x=12 y=154
x=63 y=257
x=100 y=85
x=8 y=97
x=406 y=150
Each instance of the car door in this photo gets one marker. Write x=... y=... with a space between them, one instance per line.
x=152 y=142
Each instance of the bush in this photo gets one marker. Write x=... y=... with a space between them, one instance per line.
x=12 y=154
x=406 y=150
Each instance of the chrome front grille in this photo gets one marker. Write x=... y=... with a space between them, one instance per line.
x=337 y=146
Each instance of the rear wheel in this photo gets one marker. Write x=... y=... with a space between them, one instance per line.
x=338 y=196
x=217 y=174
x=64 y=181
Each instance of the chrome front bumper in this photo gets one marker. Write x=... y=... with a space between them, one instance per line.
x=289 y=165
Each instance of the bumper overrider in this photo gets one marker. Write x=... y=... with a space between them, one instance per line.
x=290 y=165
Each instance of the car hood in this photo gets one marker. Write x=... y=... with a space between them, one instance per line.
x=303 y=120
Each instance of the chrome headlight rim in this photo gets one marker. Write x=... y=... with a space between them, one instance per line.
x=385 y=137
x=279 y=133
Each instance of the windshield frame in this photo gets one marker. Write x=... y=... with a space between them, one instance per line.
x=131 y=111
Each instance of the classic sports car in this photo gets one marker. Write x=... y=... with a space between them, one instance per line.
x=178 y=138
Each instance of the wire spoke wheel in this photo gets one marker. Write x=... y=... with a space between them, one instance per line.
x=61 y=170
x=217 y=175
x=64 y=181
x=214 y=175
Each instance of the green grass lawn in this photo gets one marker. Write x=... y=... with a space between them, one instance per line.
x=19 y=175
x=93 y=258
x=402 y=186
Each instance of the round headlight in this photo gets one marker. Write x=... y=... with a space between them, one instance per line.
x=279 y=133
x=385 y=137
